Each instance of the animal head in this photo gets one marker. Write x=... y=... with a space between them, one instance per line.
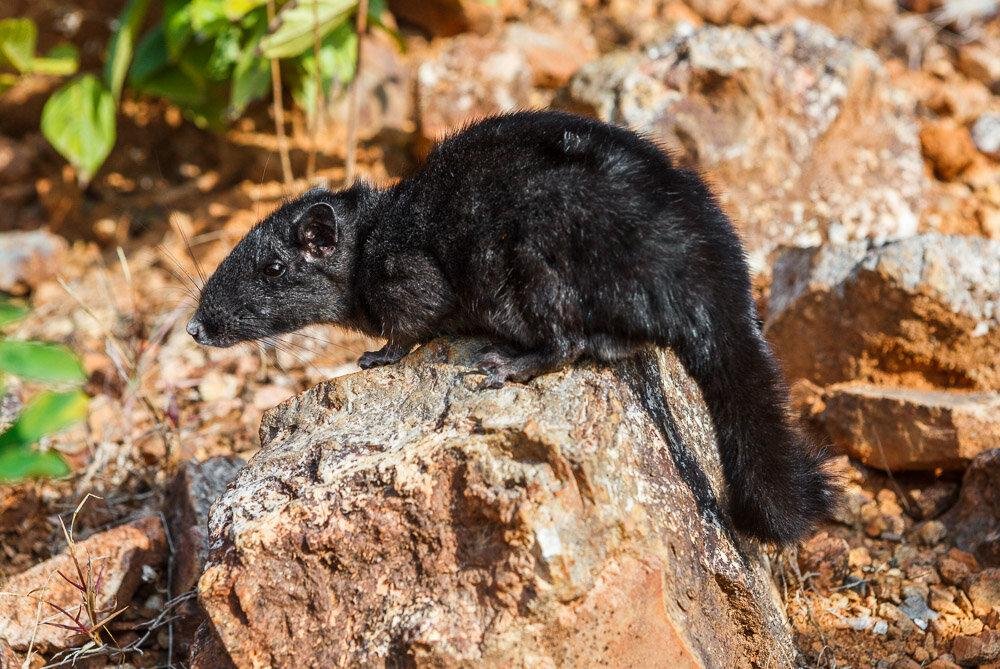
x=291 y=270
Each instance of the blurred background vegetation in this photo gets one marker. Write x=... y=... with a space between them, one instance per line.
x=210 y=58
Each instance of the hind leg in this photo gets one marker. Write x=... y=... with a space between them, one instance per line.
x=501 y=366
x=610 y=348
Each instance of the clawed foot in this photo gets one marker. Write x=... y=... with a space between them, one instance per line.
x=495 y=366
x=500 y=366
x=387 y=355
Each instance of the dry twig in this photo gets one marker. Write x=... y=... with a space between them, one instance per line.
x=354 y=109
x=316 y=116
x=279 y=109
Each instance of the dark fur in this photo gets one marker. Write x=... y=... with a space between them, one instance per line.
x=555 y=236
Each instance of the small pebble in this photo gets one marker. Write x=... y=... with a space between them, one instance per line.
x=931 y=532
x=986 y=134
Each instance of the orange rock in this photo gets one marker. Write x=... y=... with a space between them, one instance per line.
x=400 y=515
x=826 y=556
x=981 y=62
x=443 y=18
x=812 y=171
x=193 y=491
x=207 y=651
x=984 y=591
x=625 y=620
x=471 y=78
x=905 y=663
x=921 y=6
x=553 y=55
x=16 y=160
x=898 y=429
x=929 y=499
x=974 y=521
x=476 y=76
x=943 y=662
x=948 y=146
x=118 y=555
x=913 y=313
x=957 y=97
x=977 y=650
x=8 y=658
x=741 y=12
x=956 y=565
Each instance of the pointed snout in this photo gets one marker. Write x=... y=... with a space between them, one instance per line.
x=197 y=330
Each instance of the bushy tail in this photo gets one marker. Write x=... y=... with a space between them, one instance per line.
x=778 y=485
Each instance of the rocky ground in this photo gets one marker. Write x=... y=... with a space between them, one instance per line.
x=855 y=143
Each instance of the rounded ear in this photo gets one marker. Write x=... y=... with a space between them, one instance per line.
x=316 y=231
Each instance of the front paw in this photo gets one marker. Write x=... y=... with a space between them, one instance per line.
x=371 y=359
x=494 y=366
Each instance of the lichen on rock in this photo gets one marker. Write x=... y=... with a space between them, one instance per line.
x=403 y=514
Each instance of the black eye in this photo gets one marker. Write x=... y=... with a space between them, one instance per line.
x=274 y=269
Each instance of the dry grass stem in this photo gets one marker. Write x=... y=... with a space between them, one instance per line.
x=355 y=102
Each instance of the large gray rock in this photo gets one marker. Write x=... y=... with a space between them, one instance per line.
x=475 y=76
x=921 y=312
x=194 y=489
x=28 y=258
x=401 y=514
x=803 y=133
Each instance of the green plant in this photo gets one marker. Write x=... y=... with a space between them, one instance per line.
x=49 y=411
x=18 y=38
x=79 y=118
x=89 y=619
x=211 y=58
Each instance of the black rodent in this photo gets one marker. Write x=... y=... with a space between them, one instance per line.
x=557 y=237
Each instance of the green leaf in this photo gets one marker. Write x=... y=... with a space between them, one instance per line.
x=254 y=20
x=339 y=54
x=122 y=44
x=7 y=81
x=251 y=76
x=46 y=413
x=225 y=52
x=210 y=114
x=237 y=9
x=174 y=84
x=11 y=311
x=150 y=56
x=39 y=361
x=17 y=464
x=17 y=43
x=208 y=17
x=62 y=60
x=177 y=28
x=337 y=61
x=79 y=121
x=376 y=8
x=299 y=20
x=193 y=63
